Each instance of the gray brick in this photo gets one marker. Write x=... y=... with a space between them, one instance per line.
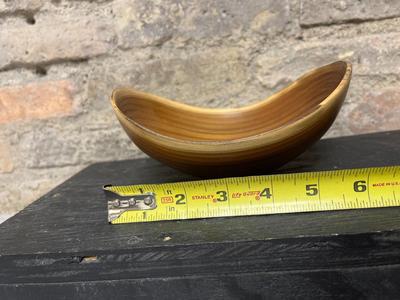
x=214 y=78
x=7 y=7
x=371 y=55
x=60 y=146
x=53 y=40
x=325 y=12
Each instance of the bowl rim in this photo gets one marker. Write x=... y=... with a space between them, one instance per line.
x=273 y=134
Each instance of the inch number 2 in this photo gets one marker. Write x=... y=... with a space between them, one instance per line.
x=180 y=199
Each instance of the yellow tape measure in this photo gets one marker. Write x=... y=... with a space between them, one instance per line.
x=255 y=195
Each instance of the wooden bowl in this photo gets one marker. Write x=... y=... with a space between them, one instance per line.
x=235 y=141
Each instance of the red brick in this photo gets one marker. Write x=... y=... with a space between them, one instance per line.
x=378 y=111
x=36 y=101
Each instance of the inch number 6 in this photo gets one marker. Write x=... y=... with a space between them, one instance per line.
x=360 y=186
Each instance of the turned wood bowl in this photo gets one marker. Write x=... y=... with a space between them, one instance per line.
x=235 y=141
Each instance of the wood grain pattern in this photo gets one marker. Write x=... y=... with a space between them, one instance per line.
x=236 y=140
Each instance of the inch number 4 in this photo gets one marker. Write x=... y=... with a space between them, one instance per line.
x=266 y=193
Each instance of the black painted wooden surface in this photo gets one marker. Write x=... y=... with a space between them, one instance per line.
x=61 y=246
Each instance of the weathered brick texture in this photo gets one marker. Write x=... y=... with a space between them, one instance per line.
x=60 y=60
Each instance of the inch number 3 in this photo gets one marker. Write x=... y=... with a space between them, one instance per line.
x=222 y=196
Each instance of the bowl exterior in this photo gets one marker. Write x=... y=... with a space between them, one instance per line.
x=260 y=154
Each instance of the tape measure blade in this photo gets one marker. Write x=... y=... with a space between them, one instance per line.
x=269 y=194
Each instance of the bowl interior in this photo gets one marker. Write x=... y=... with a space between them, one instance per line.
x=190 y=123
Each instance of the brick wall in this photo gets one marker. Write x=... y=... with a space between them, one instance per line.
x=60 y=59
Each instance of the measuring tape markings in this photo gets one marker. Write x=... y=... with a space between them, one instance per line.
x=269 y=194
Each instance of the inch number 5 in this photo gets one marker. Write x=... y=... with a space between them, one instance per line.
x=311 y=189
